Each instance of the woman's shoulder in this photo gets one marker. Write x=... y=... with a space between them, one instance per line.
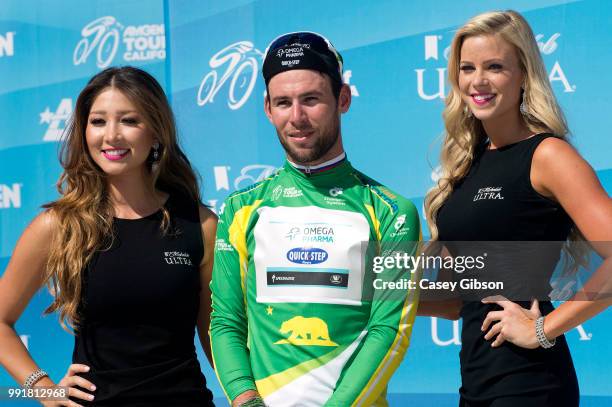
x=553 y=149
x=555 y=161
x=206 y=215
x=38 y=235
x=45 y=223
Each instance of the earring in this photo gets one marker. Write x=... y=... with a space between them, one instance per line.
x=523 y=106
x=467 y=112
x=155 y=152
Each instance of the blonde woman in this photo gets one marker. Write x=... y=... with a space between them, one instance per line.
x=127 y=249
x=510 y=175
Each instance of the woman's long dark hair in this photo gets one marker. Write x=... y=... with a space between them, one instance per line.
x=84 y=213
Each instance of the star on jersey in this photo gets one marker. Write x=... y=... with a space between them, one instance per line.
x=269 y=310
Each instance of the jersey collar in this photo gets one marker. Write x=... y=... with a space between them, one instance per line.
x=314 y=169
x=332 y=168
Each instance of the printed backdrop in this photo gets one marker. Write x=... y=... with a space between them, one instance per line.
x=208 y=56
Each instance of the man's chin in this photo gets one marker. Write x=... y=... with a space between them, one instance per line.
x=306 y=155
x=302 y=159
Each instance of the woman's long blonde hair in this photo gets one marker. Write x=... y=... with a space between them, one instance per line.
x=464 y=133
x=83 y=214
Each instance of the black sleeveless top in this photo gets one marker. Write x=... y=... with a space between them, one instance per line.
x=139 y=310
x=496 y=202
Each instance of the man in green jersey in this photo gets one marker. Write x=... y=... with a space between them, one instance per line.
x=296 y=320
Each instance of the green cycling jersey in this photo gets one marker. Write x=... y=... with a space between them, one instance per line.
x=295 y=316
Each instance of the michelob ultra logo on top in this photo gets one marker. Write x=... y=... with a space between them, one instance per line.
x=178 y=257
x=309 y=254
x=489 y=193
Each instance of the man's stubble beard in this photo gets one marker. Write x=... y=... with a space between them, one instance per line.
x=320 y=148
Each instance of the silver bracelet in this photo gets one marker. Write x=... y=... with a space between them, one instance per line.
x=34 y=377
x=542 y=339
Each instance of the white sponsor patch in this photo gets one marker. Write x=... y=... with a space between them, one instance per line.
x=280 y=230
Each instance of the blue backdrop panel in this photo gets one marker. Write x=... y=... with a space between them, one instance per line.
x=208 y=56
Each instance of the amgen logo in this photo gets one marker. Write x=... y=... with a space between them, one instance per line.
x=102 y=36
x=10 y=196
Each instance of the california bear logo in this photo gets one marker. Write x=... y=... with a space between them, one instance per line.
x=305 y=331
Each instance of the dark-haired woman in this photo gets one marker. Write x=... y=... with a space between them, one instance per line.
x=127 y=251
